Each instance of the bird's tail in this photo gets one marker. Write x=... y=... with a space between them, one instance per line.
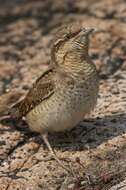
x=9 y=103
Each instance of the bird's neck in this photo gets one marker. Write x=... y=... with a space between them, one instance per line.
x=78 y=66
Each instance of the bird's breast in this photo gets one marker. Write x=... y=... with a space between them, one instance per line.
x=65 y=108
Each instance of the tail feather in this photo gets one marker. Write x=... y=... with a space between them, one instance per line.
x=15 y=112
x=9 y=103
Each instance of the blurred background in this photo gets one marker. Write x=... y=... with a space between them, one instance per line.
x=27 y=27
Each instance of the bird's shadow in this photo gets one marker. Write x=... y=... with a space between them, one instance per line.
x=90 y=133
x=87 y=135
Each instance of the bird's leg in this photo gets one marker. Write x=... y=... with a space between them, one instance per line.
x=45 y=139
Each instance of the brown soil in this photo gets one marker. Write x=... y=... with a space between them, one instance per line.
x=96 y=149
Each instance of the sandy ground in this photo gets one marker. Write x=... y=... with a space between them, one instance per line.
x=96 y=149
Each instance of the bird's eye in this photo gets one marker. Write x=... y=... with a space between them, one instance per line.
x=68 y=36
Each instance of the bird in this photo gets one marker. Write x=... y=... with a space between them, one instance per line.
x=67 y=91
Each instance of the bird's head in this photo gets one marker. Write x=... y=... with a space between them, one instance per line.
x=70 y=41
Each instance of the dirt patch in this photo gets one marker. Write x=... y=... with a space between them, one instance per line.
x=96 y=149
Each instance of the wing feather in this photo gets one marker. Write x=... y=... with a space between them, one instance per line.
x=42 y=89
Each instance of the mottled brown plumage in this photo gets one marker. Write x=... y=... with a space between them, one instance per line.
x=42 y=88
x=44 y=85
x=64 y=33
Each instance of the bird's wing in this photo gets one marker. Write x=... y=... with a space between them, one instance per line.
x=42 y=89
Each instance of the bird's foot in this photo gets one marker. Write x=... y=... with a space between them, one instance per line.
x=53 y=155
